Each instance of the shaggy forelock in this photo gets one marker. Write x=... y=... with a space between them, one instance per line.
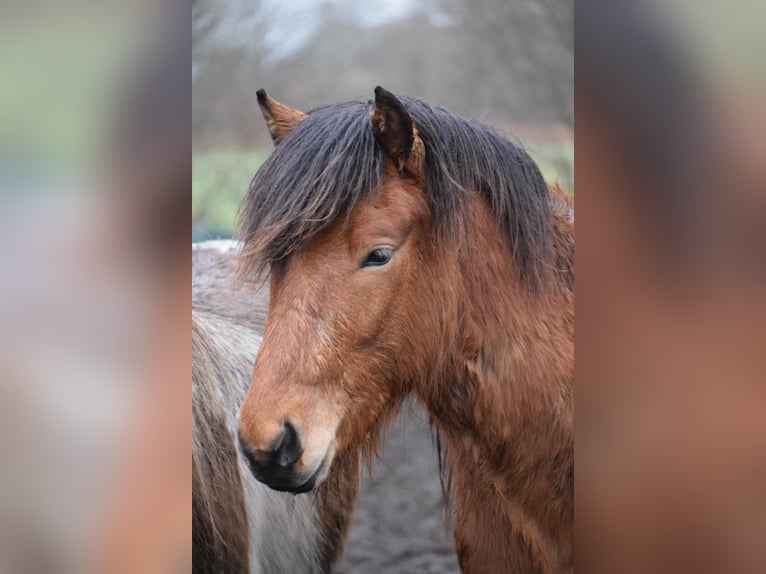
x=331 y=159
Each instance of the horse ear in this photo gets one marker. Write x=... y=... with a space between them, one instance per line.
x=395 y=130
x=280 y=118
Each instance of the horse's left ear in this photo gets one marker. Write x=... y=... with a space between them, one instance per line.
x=280 y=118
x=395 y=129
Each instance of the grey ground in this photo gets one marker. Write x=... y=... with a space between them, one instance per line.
x=400 y=524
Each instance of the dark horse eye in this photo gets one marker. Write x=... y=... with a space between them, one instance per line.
x=378 y=257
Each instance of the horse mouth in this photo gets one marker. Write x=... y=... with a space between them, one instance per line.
x=282 y=479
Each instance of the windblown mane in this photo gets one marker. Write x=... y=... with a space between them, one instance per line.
x=331 y=159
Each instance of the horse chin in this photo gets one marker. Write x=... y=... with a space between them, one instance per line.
x=312 y=481
x=309 y=484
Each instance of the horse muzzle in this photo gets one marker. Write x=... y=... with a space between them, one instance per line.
x=278 y=466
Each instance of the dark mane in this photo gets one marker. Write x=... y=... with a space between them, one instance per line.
x=331 y=159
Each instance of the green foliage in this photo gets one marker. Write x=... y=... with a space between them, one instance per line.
x=219 y=182
x=556 y=162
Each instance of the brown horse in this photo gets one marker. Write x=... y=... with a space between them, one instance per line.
x=414 y=252
x=240 y=525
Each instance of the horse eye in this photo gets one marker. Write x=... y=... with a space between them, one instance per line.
x=378 y=257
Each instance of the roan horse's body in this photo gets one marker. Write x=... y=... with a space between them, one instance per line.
x=239 y=525
x=414 y=252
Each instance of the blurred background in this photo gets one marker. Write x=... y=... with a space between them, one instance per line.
x=94 y=317
x=671 y=287
x=508 y=63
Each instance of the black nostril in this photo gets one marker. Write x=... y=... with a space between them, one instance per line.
x=286 y=448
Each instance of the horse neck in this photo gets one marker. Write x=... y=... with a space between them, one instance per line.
x=504 y=409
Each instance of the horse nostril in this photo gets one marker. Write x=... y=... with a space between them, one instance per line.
x=286 y=448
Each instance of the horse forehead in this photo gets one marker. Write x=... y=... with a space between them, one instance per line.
x=400 y=201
